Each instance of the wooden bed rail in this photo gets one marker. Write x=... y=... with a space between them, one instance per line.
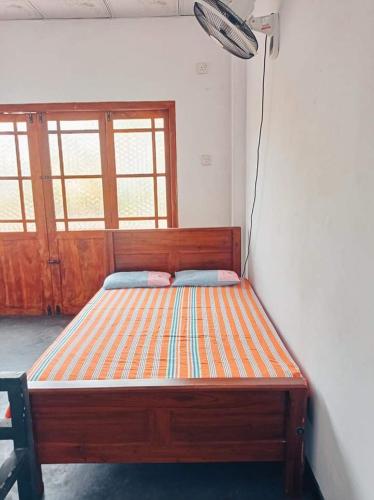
x=185 y=420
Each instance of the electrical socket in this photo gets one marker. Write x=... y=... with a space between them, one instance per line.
x=206 y=160
x=202 y=68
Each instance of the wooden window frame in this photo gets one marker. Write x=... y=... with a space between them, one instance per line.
x=155 y=175
x=153 y=109
x=77 y=115
x=20 y=177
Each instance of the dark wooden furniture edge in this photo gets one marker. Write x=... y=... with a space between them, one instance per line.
x=189 y=384
x=42 y=107
x=178 y=420
x=21 y=465
x=174 y=249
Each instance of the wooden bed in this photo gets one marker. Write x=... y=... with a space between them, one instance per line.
x=173 y=420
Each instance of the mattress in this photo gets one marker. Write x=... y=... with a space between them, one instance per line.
x=181 y=332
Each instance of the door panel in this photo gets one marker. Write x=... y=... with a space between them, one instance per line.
x=82 y=268
x=20 y=269
x=75 y=170
x=25 y=284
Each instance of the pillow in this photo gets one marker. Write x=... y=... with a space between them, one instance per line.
x=205 y=278
x=137 y=279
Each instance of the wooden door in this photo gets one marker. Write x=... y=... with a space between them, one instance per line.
x=25 y=281
x=67 y=173
x=103 y=170
x=75 y=171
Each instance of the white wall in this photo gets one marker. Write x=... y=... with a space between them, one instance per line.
x=312 y=259
x=238 y=144
x=135 y=59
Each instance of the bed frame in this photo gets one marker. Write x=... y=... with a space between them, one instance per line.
x=179 y=420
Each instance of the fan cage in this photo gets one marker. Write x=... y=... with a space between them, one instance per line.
x=226 y=27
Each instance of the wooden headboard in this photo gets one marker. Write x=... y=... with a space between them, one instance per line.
x=174 y=249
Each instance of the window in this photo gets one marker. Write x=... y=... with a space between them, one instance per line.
x=100 y=166
x=17 y=212
x=76 y=173
x=140 y=169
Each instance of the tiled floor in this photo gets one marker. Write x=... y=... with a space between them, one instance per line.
x=22 y=340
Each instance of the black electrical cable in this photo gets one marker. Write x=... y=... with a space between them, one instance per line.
x=258 y=158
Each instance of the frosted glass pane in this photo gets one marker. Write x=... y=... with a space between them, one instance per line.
x=159 y=123
x=79 y=125
x=57 y=195
x=11 y=227
x=8 y=158
x=10 y=204
x=81 y=154
x=31 y=227
x=132 y=123
x=137 y=224
x=133 y=153
x=28 y=200
x=163 y=224
x=84 y=198
x=160 y=152
x=52 y=125
x=23 y=146
x=135 y=197
x=6 y=127
x=54 y=155
x=60 y=226
x=161 y=197
x=21 y=126
x=88 y=225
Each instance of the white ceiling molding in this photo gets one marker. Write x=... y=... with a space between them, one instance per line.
x=18 y=9
x=143 y=8
x=91 y=9
x=71 y=9
x=186 y=7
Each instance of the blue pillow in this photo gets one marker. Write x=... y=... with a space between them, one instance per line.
x=205 y=278
x=136 y=279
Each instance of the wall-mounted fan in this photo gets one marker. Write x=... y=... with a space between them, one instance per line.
x=233 y=29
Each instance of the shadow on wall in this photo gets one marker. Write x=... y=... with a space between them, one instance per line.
x=321 y=444
x=319 y=424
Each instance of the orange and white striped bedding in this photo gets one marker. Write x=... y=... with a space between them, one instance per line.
x=191 y=332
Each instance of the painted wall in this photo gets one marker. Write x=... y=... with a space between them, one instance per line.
x=312 y=259
x=238 y=145
x=135 y=59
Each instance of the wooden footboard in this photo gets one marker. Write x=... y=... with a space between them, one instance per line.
x=219 y=420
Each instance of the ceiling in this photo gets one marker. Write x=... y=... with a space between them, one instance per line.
x=90 y=9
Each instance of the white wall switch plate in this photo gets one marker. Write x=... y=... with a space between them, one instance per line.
x=206 y=160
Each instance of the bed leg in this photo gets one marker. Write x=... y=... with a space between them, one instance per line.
x=294 y=463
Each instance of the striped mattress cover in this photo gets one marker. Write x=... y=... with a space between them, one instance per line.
x=190 y=332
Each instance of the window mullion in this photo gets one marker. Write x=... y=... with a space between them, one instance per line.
x=109 y=171
x=62 y=173
x=155 y=191
x=20 y=183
